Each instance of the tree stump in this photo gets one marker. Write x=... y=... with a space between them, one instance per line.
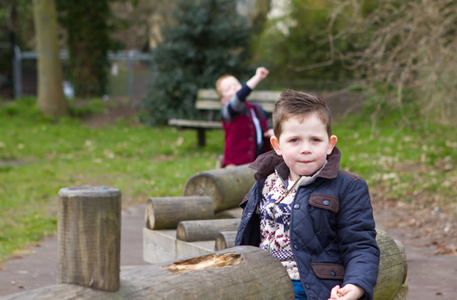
x=204 y=230
x=236 y=273
x=89 y=236
x=227 y=187
x=167 y=212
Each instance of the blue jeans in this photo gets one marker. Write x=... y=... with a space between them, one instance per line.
x=299 y=290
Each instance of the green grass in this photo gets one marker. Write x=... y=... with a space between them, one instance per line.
x=39 y=156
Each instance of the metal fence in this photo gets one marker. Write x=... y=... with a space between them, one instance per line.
x=130 y=73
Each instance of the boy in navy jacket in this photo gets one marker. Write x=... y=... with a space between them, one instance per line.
x=316 y=219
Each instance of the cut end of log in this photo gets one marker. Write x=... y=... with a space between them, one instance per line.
x=205 y=262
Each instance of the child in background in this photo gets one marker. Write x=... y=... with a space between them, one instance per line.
x=316 y=219
x=246 y=124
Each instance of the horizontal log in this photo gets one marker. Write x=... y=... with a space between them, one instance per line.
x=236 y=273
x=393 y=265
x=224 y=240
x=167 y=212
x=227 y=187
x=204 y=230
x=233 y=213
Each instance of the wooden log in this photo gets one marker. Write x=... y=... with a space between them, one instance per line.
x=233 y=213
x=167 y=212
x=204 y=230
x=227 y=187
x=224 y=240
x=89 y=237
x=236 y=273
x=393 y=265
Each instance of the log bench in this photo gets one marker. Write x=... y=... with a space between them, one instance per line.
x=226 y=188
x=209 y=102
x=89 y=254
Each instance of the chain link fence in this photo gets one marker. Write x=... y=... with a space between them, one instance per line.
x=130 y=73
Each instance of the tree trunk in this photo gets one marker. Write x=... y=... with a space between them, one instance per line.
x=227 y=187
x=89 y=237
x=204 y=230
x=51 y=100
x=167 y=212
x=236 y=273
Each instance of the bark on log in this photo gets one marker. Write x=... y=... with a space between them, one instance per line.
x=224 y=240
x=204 y=230
x=236 y=273
x=167 y=212
x=89 y=237
x=393 y=265
x=227 y=187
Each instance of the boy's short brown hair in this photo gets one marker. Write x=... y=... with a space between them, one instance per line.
x=299 y=105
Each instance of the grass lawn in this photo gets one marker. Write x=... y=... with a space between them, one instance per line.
x=39 y=156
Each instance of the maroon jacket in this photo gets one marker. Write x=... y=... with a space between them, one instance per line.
x=240 y=136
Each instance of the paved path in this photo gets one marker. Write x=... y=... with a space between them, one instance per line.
x=429 y=276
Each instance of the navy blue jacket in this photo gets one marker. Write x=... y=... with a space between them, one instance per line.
x=332 y=232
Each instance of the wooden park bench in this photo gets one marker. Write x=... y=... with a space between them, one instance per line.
x=209 y=102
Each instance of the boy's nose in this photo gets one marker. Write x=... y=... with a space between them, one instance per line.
x=305 y=148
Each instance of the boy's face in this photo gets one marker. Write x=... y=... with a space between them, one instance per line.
x=304 y=145
x=229 y=86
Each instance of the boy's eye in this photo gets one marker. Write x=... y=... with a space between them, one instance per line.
x=293 y=140
x=316 y=140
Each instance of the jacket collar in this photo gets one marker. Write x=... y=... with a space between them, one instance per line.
x=268 y=162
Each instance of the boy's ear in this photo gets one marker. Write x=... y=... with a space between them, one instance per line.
x=274 y=141
x=331 y=144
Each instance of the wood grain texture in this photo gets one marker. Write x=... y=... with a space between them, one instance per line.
x=167 y=212
x=255 y=275
x=89 y=236
x=227 y=187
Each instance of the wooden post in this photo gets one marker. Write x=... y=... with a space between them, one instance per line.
x=204 y=230
x=236 y=273
x=89 y=237
x=227 y=187
x=167 y=212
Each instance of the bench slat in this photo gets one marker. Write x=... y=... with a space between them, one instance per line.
x=195 y=123
x=209 y=100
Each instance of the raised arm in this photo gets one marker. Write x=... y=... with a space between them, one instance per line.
x=260 y=74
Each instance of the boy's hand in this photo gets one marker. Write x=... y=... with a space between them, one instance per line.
x=269 y=133
x=261 y=72
x=348 y=292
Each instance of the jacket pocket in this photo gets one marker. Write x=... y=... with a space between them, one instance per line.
x=328 y=270
x=327 y=202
